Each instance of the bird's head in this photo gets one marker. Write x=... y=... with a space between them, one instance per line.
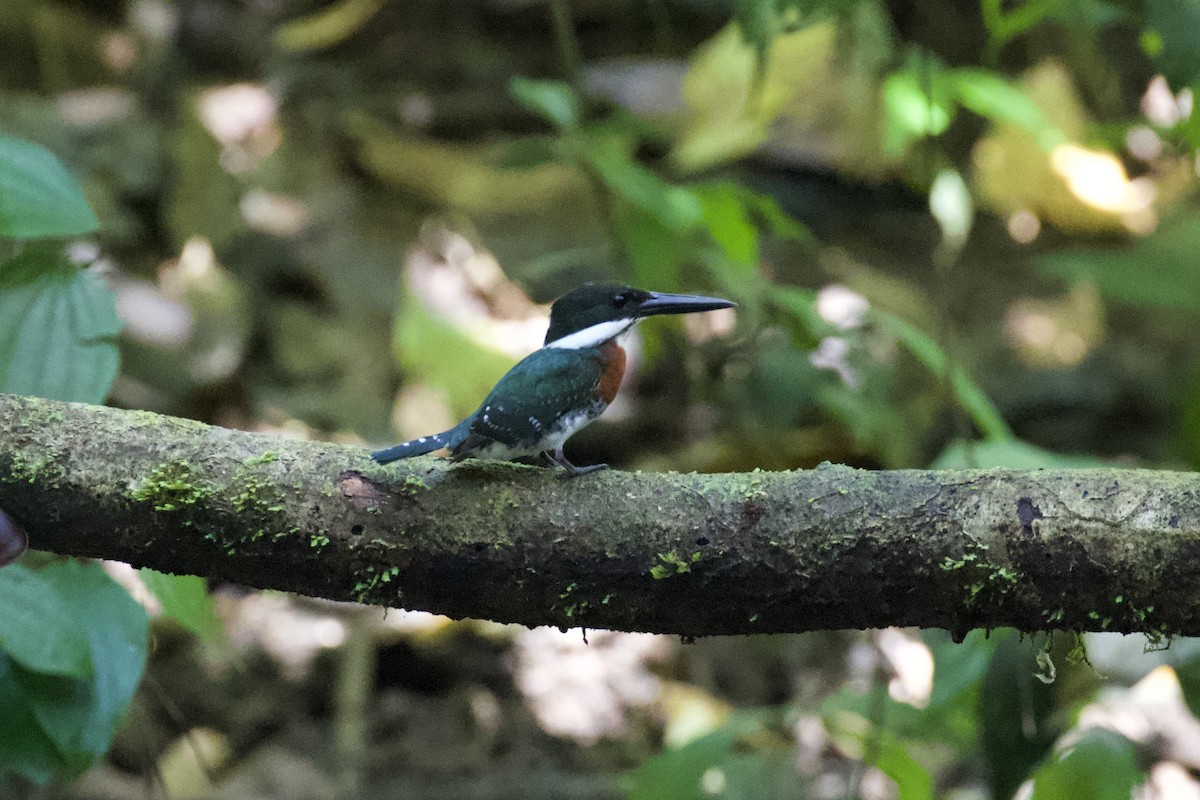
x=591 y=314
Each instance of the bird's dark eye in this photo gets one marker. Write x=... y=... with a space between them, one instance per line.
x=620 y=299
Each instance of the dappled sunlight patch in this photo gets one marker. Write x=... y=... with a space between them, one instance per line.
x=585 y=690
x=1056 y=333
x=242 y=117
x=292 y=632
x=911 y=664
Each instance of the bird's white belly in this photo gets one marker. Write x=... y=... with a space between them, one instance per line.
x=564 y=429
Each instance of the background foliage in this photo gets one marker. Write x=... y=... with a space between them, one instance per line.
x=959 y=235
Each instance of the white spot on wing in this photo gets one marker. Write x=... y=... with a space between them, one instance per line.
x=596 y=334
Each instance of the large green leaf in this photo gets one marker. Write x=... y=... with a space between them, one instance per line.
x=1099 y=766
x=57 y=328
x=25 y=749
x=81 y=717
x=37 y=627
x=38 y=197
x=743 y=760
x=185 y=599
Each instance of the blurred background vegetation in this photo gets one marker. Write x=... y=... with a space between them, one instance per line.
x=960 y=234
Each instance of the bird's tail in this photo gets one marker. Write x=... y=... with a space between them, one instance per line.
x=426 y=444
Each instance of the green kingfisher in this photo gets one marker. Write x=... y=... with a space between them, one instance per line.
x=557 y=390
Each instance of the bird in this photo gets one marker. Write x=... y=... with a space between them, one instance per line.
x=558 y=389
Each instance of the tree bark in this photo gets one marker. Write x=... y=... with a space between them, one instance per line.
x=696 y=555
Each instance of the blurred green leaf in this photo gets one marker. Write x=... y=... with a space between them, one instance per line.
x=25 y=749
x=734 y=216
x=1189 y=679
x=1007 y=454
x=675 y=207
x=728 y=220
x=743 y=760
x=37 y=629
x=444 y=357
x=848 y=716
x=800 y=306
x=959 y=667
x=990 y=96
x=1100 y=765
x=58 y=326
x=912 y=779
x=655 y=250
x=1156 y=271
x=554 y=101
x=185 y=599
x=774 y=218
x=81 y=716
x=1175 y=25
x=1015 y=710
x=116 y=632
x=327 y=27
x=38 y=197
x=918 y=102
x=973 y=400
x=528 y=152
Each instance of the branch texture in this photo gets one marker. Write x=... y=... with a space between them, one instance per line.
x=695 y=555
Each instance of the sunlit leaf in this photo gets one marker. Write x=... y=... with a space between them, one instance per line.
x=734 y=97
x=917 y=102
x=554 y=101
x=331 y=25
x=1100 y=765
x=38 y=197
x=58 y=325
x=38 y=629
x=185 y=599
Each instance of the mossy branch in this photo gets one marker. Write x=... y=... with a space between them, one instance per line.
x=833 y=547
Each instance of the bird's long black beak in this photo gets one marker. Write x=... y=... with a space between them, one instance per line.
x=660 y=303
